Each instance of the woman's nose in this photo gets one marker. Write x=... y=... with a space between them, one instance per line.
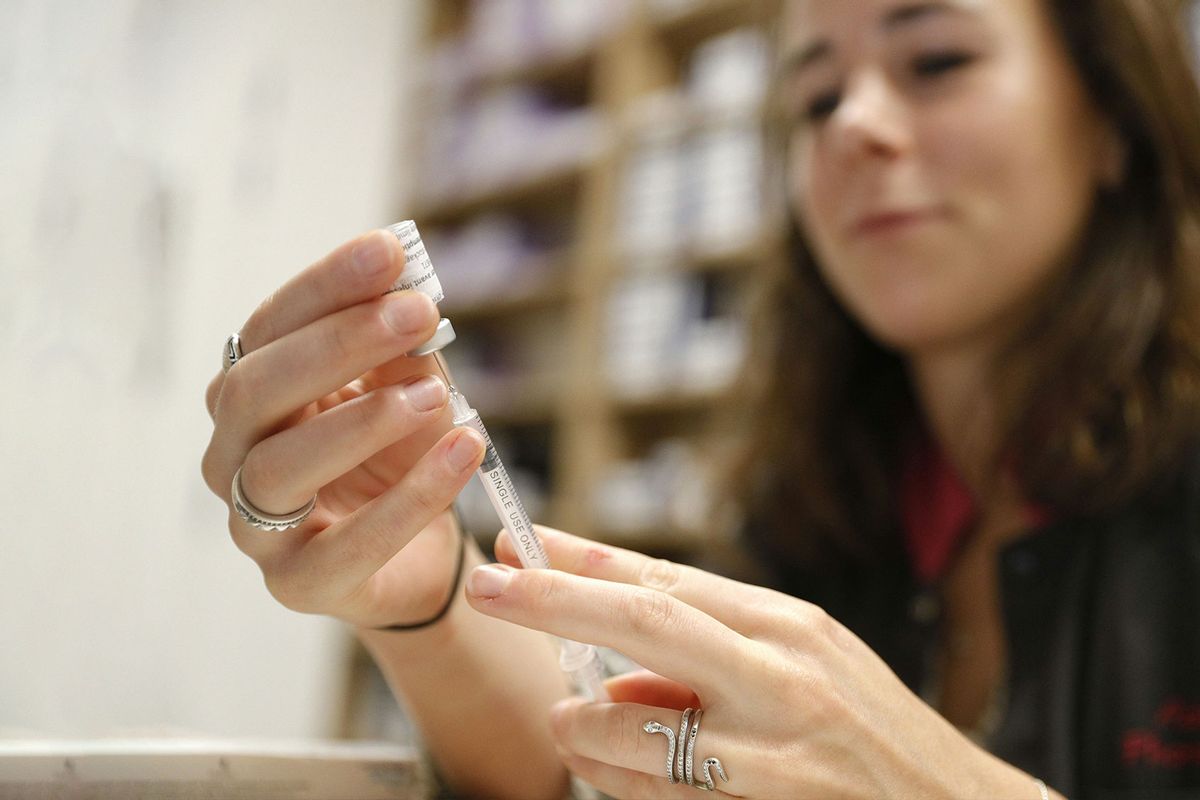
x=871 y=119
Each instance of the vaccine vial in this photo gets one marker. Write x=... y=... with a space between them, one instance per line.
x=418 y=275
x=418 y=271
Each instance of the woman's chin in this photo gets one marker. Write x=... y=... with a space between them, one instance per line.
x=915 y=329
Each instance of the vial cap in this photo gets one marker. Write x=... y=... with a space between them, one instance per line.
x=443 y=336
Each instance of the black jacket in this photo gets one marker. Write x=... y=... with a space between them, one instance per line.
x=1102 y=617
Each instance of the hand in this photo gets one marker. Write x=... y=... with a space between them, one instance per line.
x=794 y=704
x=325 y=402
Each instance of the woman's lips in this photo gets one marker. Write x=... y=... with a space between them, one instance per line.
x=892 y=222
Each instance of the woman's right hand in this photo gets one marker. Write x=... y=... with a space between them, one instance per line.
x=325 y=402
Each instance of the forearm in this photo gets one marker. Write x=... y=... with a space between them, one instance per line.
x=479 y=690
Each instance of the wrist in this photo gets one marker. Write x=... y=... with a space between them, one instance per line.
x=428 y=642
x=993 y=777
x=964 y=770
x=417 y=586
x=445 y=603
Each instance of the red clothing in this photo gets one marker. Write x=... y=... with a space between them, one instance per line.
x=938 y=511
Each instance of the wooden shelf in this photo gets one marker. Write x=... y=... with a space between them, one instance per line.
x=568 y=71
x=657 y=542
x=540 y=412
x=673 y=402
x=643 y=54
x=568 y=67
x=554 y=292
x=549 y=188
x=683 y=30
x=747 y=255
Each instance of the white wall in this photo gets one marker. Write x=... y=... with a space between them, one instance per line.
x=164 y=165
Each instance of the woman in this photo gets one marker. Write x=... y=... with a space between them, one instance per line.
x=990 y=382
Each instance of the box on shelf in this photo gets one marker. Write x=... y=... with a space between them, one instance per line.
x=667 y=334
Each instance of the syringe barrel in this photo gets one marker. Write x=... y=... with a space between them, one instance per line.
x=589 y=674
x=505 y=499
x=581 y=661
x=574 y=655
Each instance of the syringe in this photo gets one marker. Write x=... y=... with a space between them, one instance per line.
x=580 y=661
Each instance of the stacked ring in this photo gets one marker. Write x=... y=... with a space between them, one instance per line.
x=681 y=755
x=261 y=519
x=245 y=509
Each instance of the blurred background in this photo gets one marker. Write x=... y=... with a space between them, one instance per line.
x=595 y=190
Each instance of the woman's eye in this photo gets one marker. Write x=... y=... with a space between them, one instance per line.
x=935 y=64
x=821 y=106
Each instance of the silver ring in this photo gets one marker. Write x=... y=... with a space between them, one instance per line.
x=681 y=742
x=681 y=754
x=232 y=352
x=691 y=746
x=261 y=519
x=655 y=727
x=709 y=784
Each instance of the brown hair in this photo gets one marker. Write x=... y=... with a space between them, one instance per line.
x=1099 y=396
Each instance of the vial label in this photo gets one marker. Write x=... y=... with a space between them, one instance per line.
x=418 y=271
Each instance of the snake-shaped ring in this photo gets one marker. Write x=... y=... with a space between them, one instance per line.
x=681 y=752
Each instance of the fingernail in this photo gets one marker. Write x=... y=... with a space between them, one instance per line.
x=426 y=393
x=465 y=450
x=489 y=580
x=372 y=253
x=406 y=312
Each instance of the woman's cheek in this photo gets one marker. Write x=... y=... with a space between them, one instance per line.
x=819 y=203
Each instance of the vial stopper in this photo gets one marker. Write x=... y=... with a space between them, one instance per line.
x=443 y=336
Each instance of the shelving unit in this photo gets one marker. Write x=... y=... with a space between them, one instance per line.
x=562 y=422
x=640 y=51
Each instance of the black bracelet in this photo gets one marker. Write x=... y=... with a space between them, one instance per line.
x=445 y=609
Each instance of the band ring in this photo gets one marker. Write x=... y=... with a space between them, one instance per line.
x=261 y=519
x=232 y=352
x=681 y=747
x=681 y=752
x=691 y=747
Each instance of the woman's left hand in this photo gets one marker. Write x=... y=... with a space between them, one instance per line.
x=795 y=705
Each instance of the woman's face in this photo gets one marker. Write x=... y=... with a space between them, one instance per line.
x=943 y=161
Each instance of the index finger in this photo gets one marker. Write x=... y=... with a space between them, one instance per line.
x=741 y=606
x=359 y=270
x=658 y=631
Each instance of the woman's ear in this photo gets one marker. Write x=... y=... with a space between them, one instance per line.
x=1112 y=156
